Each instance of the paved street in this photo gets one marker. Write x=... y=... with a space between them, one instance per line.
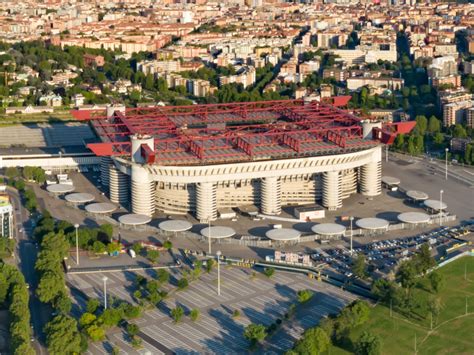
x=259 y=300
x=25 y=256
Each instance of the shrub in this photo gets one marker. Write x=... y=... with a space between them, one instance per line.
x=304 y=295
x=269 y=271
x=183 y=283
x=194 y=315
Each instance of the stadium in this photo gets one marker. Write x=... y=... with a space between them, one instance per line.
x=202 y=159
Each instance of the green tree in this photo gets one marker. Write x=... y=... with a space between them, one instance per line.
x=153 y=255
x=438 y=139
x=137 y=248
x=368 y=344
x=424 y=259
x=421 y=124
x=269 y=271
x=359 y=266
x=51 y=284
x=177 y=313
x=255 y=333
x=62 y=336
x=167 y=245
x=194 y=314
x=304 y=295
x=163 y=276
x=98 y=247
x=314 y=341
x=459 y=131
x=183 y=283
x=434 y=125
x=384 y=290
x=437 y=281
x=95 y=332
x=92 y=305
x=12 y=173
x=87 y=319
x=406 y=274
x=113 y=247
x=132 y=329
x=209 y=264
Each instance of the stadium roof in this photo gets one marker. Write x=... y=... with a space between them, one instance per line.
x=283 y=234
x=435 y=205
x=220 y=133
x=101 y=207
x=372 y=223
x=134 y=219
x=413 y=217
x=328 y=229
x=175 y=225
x=80 y=197
x=60 y=188
x=218 y=232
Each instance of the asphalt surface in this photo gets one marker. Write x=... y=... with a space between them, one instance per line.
x=25 y=256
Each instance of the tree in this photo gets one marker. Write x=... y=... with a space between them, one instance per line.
x=424 y=259
x=255 y=333
x=438 y=138
x=163 y=276
x=177 y=313
x=436 y=281
x=359 y=266
x=406 y=274
x=434 y=307
x=400 y=142
x=62 y=336
x=421 y=124
x=50 y=285
x=92 y=305
x=355 y=314
x=167 y=245
x=137 y=248
x=153 y=255
x=98 y=247
x=434 y=125
x=113 y=247
x=194 y=314
x=132 y=329
x=384 y=290
x=368 y=344
x=183 y=283
x=459 y=131
x=269 y=271
x=95 y=332
x=314 y=341
x=12 y=172
x=304 y=295
x=209 y=265
x=87 y=319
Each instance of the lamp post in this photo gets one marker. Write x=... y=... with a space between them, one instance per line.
x=446 y=163
x=440 y=207
x=209 y=234
x=218 y=254
x=351 y=218
x=77 y=244
x=105 y=291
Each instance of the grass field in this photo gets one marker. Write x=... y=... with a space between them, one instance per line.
x=56 y=116
x=453 y=331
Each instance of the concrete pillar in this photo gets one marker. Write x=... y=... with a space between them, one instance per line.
x=143 y=191
x=118 y=186
x=105 y=163
x=270 y=194
x=370 y=179
x=332 y=196
x=206 y=201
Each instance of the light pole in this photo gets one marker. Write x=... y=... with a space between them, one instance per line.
x=209 y=235
x=105 y=291
x=440 y=207
x=351 y=218
x=446 y=163
x=218 y=254
x=77 y=244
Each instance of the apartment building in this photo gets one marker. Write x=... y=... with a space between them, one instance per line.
x=455 y=112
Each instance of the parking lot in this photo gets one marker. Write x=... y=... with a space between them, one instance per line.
x=259 y=300
x=383 y=256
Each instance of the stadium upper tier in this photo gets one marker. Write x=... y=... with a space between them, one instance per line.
x=224 y=133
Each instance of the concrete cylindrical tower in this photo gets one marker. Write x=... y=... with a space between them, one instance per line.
x=332 y=196
x=143 y=191
x=370 y=183
x=206 y=201
x=113 y=108
x=118 y=186
x=270 y=195
x=137 y=141
x=105 y=163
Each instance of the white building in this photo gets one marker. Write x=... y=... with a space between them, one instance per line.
x=6 y=217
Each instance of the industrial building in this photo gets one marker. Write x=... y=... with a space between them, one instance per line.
x=204 y=158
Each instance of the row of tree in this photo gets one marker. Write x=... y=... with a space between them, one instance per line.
x=14 y=296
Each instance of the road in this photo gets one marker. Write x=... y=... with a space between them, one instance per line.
x=25 y=256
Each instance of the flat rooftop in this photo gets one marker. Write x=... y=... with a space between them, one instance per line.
x=235 y=132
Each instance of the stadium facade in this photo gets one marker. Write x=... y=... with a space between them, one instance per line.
x=203 y=158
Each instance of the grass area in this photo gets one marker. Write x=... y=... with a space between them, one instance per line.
x=452 y=331
x=56 y=116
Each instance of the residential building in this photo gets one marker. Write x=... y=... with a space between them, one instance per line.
x=6 y=217
x=455 y=112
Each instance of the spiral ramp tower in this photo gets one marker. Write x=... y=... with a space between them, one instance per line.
x=105 y=163
x=118 y=186
x=206 y=201
x=332 y=194
x=371 y=179
x=143 y=191
x=271 y=195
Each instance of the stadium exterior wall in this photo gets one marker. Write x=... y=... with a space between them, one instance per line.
x=270 y=184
